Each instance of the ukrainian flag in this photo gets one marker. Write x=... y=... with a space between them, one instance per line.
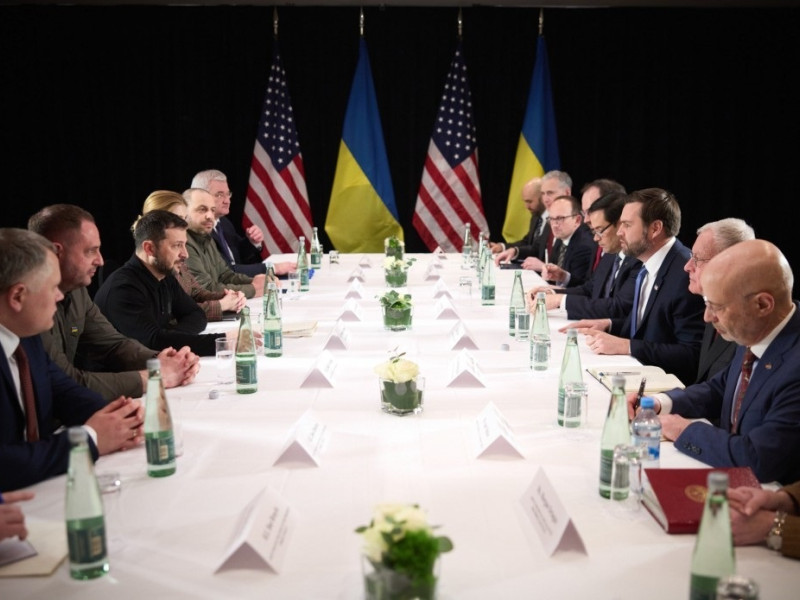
x=537 y=151
x=362 y=211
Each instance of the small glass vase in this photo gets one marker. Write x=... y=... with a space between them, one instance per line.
x=397 y=319
x=404 y=398
x=394 y=247
x=381 y=583
x=396 y=278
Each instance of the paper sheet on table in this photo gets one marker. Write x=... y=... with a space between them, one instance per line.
x=299 y=329
x=657 y=379
x=49 y=538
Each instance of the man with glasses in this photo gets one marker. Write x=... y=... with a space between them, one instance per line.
x=592 y=191
x=712 y=238
x=748 y=300
x=243 y=254
x=570 y=261
x=609 y=290
x=665 y=325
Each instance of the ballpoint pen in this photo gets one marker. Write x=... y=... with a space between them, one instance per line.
x=639 y=394
x=612 y=373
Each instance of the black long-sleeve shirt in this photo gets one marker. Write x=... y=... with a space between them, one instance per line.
x=158 y=313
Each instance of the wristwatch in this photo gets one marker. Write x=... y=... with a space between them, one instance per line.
x=775 y=535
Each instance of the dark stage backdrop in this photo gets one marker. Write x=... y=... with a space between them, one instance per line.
x=102 y=105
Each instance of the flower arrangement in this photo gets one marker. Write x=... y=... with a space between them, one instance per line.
x=395 y=270
x=394 y=246
x=401 y=388
x=397 y=368
x=401 y=549
x=396 y=310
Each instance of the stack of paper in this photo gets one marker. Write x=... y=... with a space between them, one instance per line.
x=657 y=379
x=299 y=329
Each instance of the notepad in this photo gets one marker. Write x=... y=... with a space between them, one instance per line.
x=299 y=329
x=658 y=380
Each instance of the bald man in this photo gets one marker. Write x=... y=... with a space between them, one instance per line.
x=532 y=198
x=748 y=300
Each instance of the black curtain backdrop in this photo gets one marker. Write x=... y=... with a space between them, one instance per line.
x=102 y=105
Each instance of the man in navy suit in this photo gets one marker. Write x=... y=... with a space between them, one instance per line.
x=35 y=394
x=665 y=326
x=243 y=254
x=748 y=296
x=609 y=290
x=532 y=198
x=570 y=262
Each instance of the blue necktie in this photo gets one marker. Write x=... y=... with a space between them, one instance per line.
x=636 y=293
x=224 y=242
x=611 y=277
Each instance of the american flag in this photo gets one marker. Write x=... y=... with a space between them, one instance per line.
x=450 y=193
x=277 y=200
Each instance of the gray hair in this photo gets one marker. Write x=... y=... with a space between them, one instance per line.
x=21 y=253
x=562 y=177
x=727 y=232
x=204 y=178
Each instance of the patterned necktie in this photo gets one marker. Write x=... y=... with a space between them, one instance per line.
x=560 y=251
x=744 y=382
x=223 y=241
x=28 y=397
x=636 y=294
x=612 y=276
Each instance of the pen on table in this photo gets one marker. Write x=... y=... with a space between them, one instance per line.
x=545 y=256
x=639 y=394
x=612 y=373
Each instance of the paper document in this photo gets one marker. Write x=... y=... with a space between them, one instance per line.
x=657 y=379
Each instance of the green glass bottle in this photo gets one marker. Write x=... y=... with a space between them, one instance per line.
x=516 y=305
x=466 y=248
x=83 y=509
x=540 y=337
x=246 y=363
x=273 y=338
x=302 y=264
x=487 y=282
x=316 y=250
x=159 y=439
x=615 y=431
x=571 y=371
x=713 y=557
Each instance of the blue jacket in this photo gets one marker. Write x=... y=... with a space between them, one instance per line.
x=587 y=301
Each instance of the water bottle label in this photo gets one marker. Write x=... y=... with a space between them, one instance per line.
x=160 y=448
x=487 y=293
x=86 y=540
x=273 y=340
x=246 y=372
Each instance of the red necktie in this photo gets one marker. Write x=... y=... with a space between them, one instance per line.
x=550 y=242
x=597 y=256
x=28 y=398
x=747 y=370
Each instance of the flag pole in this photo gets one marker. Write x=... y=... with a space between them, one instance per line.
x=275 y=22
x=361 y=22
x=541 y=21
x=460 y=23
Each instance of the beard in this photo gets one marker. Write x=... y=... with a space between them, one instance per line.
x=636 y=248
x=160 y=265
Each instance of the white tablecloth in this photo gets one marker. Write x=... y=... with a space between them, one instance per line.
x=171 y=534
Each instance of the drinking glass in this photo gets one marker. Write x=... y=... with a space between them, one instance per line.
x=576 y=394
x=333 y=257
x=293 y=280
x=110 y=484
x=226 y=367
x=626 y=477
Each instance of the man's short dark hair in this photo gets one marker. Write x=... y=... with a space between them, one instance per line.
x=21 y=252
x=611 y=205
x=153 y=226
x=576 y=204
x=606 y=186
x=658 y=205
x=52 y=221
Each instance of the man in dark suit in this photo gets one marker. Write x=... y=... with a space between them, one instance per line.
x=35 y=395
x=712 y=238
x=665 y=325
x=570 y=262
x=748 y=291
x=532 y=198
x=609 y=290
x=243 y=254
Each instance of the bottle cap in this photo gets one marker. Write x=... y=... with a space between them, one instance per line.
x=648 y=402
x=77 y=435
x=573 y=333
x=153 y=364
x=717 y=480
x=540 y=296
x=617 y=381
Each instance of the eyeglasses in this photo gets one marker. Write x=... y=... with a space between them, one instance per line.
x=601 y=231
x=221 y=195
x=695 y=260
x=559 y=220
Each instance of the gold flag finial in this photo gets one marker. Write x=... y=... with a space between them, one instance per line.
x=541 y=21
x=361 y=22
x=460 y=23
x=275 y=21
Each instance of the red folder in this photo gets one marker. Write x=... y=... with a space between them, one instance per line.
x=675 y=497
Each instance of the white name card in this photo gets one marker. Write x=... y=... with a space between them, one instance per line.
x=444 y=309
x=464 y=372
x=441 y=290
x=321 y=374
x=305 y=442
x=339 y=339
x=356 y=273
x=460 y=338
x=351 y=311
x=550 y=520
x=261 y=535
x=364 y=261
x=494 y=434
x=356 y=290
x=431 y=272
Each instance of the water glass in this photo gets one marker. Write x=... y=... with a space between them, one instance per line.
x=176 y=411
x=576 y=395
x=226 y=367
x=465 y=286
x=333 y=257
x=626 y=476
x=293 y=279
x=523 y=325
x=110 y=484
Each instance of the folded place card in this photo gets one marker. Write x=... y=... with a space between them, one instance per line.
x=431 y=272
x=494 y=435
x=261 y=535
x=356 y=290
x=321 y=374
x=351 y=311
x=339 y=339
x=460 y=338
x=444 y=309
x=356 y=273
x=464 y=372
x=364 y=261
x=550 y=520
x=305 y=442
x=441 y=290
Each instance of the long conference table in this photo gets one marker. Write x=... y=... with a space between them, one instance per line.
x=170 y=535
